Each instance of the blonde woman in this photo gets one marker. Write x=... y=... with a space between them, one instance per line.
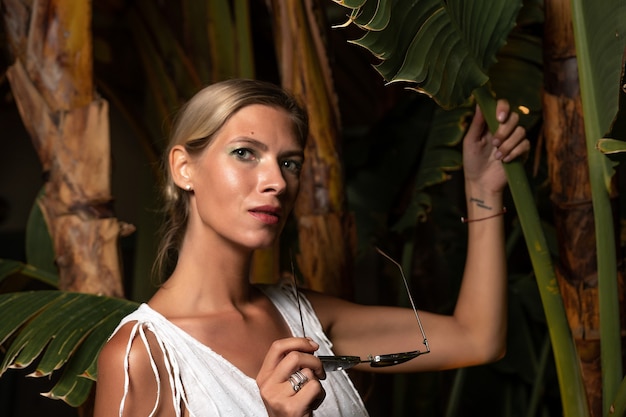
x=209 y=343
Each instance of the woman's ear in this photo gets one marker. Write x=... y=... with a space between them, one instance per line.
x=179 y=161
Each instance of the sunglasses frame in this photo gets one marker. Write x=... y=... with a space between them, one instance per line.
x=338 y=363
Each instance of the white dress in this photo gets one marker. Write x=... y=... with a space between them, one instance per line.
x=208 y=385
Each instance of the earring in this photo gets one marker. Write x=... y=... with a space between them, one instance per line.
x=188 y=187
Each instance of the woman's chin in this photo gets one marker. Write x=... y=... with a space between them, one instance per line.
x=261 y=244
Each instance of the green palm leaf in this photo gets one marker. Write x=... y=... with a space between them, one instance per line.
x=442 y=48
x=65 y=330
x=599 y=30
x=440 y=156
x=373 y=15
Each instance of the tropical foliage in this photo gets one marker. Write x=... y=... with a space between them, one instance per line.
x=431 y=53
x=62 y=330
x=400 y=181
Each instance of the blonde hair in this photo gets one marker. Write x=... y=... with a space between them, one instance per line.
x=195 y=126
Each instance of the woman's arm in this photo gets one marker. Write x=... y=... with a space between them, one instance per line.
x=143 y=395
x=475 y=333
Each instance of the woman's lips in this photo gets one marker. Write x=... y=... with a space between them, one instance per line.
x=266 y=214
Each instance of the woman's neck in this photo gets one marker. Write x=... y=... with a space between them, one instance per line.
x=207 y=278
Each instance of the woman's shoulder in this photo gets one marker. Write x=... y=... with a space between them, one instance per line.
x=133 y=343
x=127 y=356
x=122 y=347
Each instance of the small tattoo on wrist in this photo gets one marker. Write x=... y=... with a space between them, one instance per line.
x=480 y=203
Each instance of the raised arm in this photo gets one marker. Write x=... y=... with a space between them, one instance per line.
x=475 y=333
x=480 y=311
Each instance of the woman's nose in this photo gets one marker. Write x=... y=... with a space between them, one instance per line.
x=272 y=179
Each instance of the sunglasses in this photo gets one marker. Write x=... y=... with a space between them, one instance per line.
x=338 y=363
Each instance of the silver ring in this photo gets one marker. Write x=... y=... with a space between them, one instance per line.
x=298 y=379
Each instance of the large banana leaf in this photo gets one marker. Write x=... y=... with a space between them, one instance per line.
x=599 y=31
x=440 y=156
x=445 y=50
x=417 y=133
x=64 y=330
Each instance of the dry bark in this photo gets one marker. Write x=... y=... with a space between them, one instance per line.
x=52 y=83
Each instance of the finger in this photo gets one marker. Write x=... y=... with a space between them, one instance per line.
x=297 y=381
x=295 y=394
x=520 y=151
x=505 y=129
x=503 y=110
x=282 y=348
x=513 y=141
x=297 y=361
x=311 y=392
x=477 y=127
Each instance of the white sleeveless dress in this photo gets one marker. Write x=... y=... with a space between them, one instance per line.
x=208 y=385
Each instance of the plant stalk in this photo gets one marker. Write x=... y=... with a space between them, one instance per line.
x=573 y=395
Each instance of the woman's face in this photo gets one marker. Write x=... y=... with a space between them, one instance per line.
x=246 y=181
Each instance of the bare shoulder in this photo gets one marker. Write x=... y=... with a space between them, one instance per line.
x=127 y=356
x=114 y=351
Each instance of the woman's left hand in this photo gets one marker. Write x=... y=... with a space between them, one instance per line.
x=484 y=152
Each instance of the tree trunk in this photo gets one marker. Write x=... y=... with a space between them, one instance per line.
x=576 y=269
x=325 y=229
x=52 y=83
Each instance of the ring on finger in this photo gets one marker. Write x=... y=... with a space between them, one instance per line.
x=298 y=379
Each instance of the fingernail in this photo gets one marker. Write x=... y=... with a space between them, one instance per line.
x=496 y=143
x=501 y=117
x=498 y=155
x=313 y=344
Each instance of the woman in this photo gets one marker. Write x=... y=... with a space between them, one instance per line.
x=210 y=343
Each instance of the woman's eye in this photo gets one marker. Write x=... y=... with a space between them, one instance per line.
x=292 y=165
x=244 y=154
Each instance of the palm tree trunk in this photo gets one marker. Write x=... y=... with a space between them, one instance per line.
x=325 y=229
x=576 y=269
x=52 y=83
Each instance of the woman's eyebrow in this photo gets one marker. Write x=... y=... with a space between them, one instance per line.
x=262 y=146
x=250 y=141
x=295 y=152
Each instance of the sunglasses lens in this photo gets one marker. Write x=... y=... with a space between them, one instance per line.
x=381 y=361
x=339 y=363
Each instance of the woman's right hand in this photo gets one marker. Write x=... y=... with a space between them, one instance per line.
x=284 y=358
